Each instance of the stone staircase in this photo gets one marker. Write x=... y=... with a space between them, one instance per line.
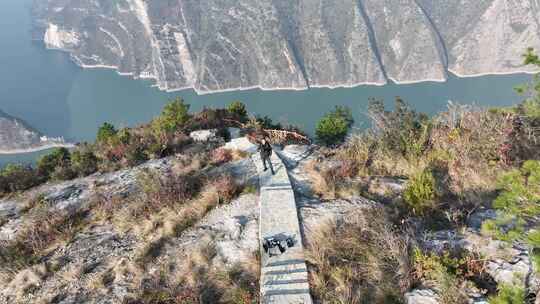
x=284 y=277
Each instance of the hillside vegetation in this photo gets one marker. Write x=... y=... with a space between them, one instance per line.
x=456 y=163
x=447 y=205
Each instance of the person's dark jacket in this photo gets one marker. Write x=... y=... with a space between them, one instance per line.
x=265 y=149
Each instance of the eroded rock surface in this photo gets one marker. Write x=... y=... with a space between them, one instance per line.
x=226 y=45
x=98 y=265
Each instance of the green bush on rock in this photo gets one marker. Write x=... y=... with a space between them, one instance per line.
x=421 y=192
x=56 y=165
x=174 y=116
x=332 y=129
x=106 y=132
x=17 y=177
x=84 y=162
x=238 y=109
x=508 y=295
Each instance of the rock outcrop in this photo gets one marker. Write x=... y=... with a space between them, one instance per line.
x=226 y=45
x=74 y=272
x=97 y=264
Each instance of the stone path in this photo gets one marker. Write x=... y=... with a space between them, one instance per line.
x=284 y=277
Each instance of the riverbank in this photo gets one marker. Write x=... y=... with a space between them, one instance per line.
x=200 y=92
x=37 y=149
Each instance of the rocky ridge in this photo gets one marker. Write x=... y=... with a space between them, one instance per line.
x=233 y=229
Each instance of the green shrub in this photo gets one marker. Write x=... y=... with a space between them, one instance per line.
x=536 y=260
x=533 y=239
x=174 y=117
x=446 y=272
x=332 y=129
x=520 y=191
x=17 y=178
x=135 y=155
x=517 y=202
x=62 y=173
x=345 y=113
x=402 y=130
x=508 y=295
x=421 y=193
x=124 y=136
x=106 y=132
x=58 y=160
x=266 y=122
x=84 y=162
x=531 y=108
x=505 y=227
x=238 y=109
x=249 y=189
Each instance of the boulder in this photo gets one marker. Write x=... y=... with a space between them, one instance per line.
x=476 y=219
x=421 y=296
x=386 y=187
x=234 y=132
x=506 y=263
x=204 y=135
x=512 y=272
x=242 y=144
x=293 y=154
x=9 y=230
x=67 y=196
x=8 y=209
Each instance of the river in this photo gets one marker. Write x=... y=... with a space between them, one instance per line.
x=55 y=96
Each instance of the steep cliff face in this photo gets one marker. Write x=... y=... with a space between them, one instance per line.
x=223 y=45
x=487 y=36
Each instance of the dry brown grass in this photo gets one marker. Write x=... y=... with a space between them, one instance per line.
x=239 y=154
x=474 y=142
x=220 y=156
x=361 y=260
x=334 y=180
x=173 y=220
x=473 y=145
x=166 y=205
x=42 y=231
x=197 y=277
x=24 y=282
x=186 y=164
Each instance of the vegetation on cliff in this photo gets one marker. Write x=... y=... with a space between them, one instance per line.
x=454 y=163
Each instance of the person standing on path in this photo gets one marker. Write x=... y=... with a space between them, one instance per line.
x=266 y=151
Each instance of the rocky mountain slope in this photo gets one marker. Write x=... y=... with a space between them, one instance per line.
x=17 y=136
x=225 y=45
x=101 y=261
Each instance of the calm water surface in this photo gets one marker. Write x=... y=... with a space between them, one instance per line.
x=52 y=94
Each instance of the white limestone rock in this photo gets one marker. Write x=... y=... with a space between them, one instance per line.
x=293 y=154
x=204 y=135
x=242 y=144
x=235 y=132
x=421 y=296
x=58 y=38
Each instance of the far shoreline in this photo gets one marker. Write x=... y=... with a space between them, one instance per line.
x=36 y=149
x=198 y=91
